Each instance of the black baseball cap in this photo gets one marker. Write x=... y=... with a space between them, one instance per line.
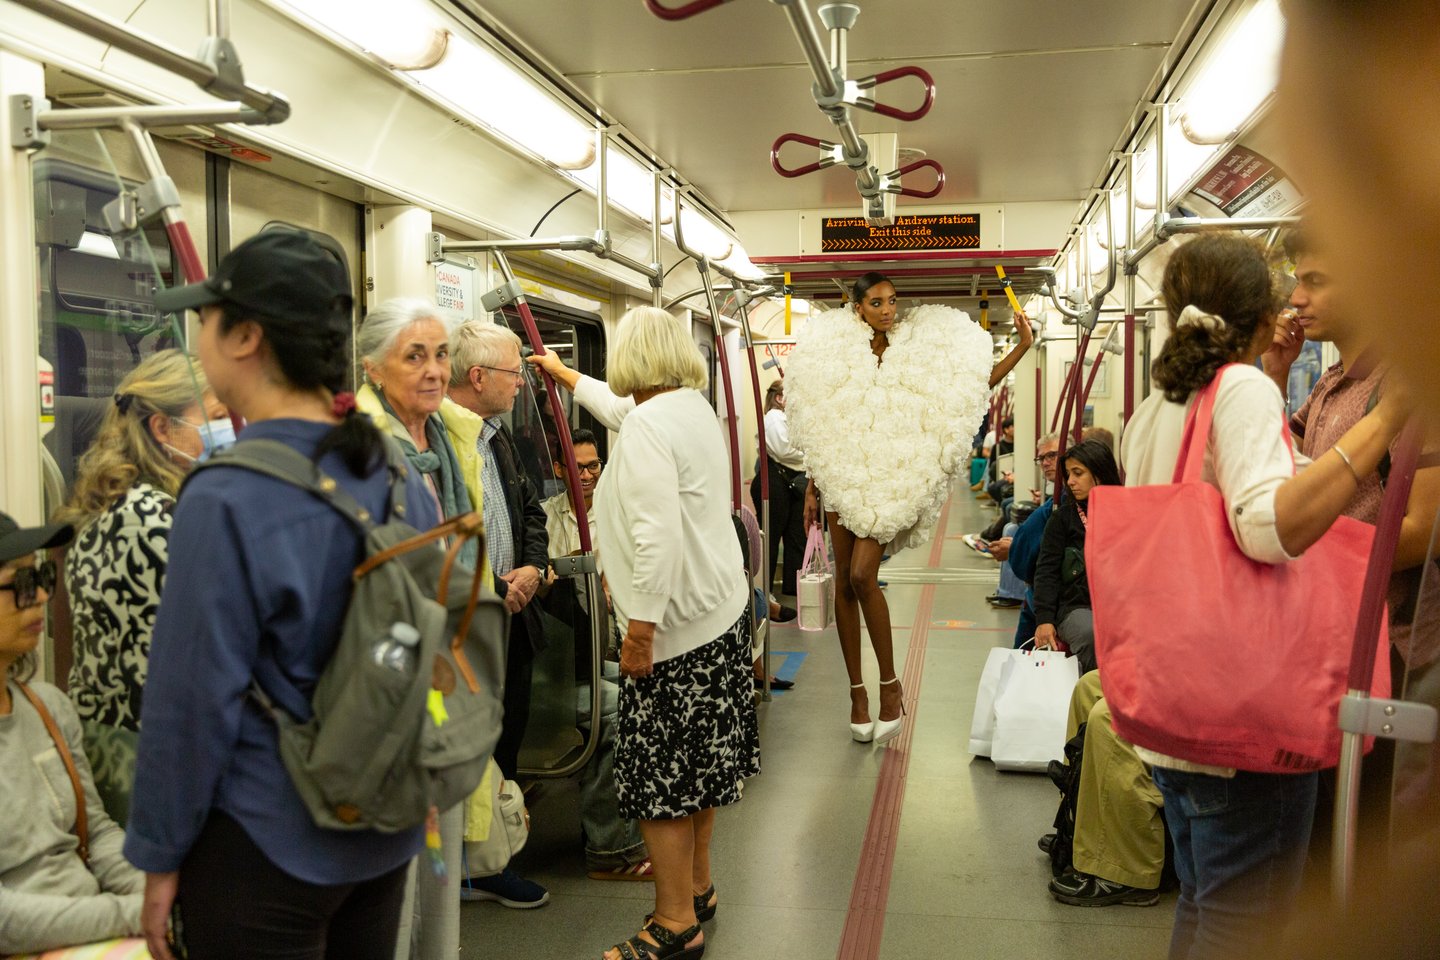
x=280 y=273
x=17 y=541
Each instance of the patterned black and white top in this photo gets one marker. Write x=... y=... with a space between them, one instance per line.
x=114 y=572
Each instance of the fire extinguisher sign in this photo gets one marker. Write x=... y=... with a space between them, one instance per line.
x=47 y=396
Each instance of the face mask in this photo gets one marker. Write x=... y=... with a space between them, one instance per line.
x=215 y=435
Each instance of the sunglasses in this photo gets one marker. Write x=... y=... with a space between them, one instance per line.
x=29 y=581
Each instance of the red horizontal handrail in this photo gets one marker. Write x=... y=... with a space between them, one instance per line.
x=785 y=138
x=682 y=12
x=869 y=83
x=923 y=194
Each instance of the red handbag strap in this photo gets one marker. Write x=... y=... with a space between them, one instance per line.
x=1190 y=464
x=1382 y=556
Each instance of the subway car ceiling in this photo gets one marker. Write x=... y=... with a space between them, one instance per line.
x=474 y=119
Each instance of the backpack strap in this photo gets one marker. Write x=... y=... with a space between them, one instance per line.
x=283 y=462
x=82 y=822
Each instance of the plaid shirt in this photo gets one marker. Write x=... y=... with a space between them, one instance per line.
x=499 y=536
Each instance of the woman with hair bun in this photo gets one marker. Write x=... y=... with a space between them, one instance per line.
x=259 y=583
x=1240 y=836
x=883 y=406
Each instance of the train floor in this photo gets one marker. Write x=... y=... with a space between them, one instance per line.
x=844 y=851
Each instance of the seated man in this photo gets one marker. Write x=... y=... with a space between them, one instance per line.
x=1119 y=850
x=1022 y=550
x=614 y=849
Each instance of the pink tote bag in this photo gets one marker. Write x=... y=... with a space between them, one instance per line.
x=815 y=586
x=1207 y=655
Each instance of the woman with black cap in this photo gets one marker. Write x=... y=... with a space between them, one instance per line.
x=49 y=896
x=258 y=586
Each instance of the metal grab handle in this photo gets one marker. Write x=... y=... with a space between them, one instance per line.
x=826 y=161
x=869 y=83
x=683 y=12
x=894 y=178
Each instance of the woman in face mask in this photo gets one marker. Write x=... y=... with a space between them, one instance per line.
x=161 y=421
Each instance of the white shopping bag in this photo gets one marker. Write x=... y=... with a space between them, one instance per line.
x=815 y=586
x=1032 y=706
x=982 y=725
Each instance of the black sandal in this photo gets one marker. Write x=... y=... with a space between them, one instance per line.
x=668 y=945
x=704 y=909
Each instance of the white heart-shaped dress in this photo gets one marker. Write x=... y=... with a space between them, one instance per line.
x=883 y=439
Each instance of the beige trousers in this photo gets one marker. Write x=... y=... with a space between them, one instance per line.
x=1119 y=817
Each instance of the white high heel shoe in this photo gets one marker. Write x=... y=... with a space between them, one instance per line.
x=886 y=730
x=861 y=732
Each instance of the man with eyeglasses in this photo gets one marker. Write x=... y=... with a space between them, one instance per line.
x=486 y=374
x=1021 y=549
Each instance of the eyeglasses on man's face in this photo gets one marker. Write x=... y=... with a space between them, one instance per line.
x=591 y=467
x=517 y=374
x=29 y=581
x=1050 y=457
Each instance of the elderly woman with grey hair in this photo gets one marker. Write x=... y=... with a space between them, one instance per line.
x=404 y=350
x=687 y=731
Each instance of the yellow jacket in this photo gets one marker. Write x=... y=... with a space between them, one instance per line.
x=464 y=429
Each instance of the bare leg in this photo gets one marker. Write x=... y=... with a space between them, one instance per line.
x=704 y=826
x=847 y=618
x=672 y=853
x=863 y=582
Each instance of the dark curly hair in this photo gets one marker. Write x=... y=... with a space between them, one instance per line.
x=1224 y=274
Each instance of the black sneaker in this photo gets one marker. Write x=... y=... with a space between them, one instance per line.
x=1086 y=890
x=1046 y=843
x=995 y=600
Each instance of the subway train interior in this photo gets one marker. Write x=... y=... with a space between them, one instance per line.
x=549 y=165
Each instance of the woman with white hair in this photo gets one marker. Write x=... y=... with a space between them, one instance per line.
x=404 y=350
x=687 y=731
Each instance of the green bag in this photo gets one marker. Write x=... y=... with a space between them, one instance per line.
x=384 y=745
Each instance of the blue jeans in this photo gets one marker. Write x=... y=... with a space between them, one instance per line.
x=1025 y=629
x=610 y=841
x=1011 y=586
x=1239 y=852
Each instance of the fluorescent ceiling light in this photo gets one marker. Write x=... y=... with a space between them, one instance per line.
x=98 y=245
x=702 y=235
x=739 y=264
x=406 y=34
x=1237 y=78
x=628 y=185
x=478 y=82
x=413 y=38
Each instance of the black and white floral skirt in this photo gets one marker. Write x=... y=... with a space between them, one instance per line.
x=687 y=734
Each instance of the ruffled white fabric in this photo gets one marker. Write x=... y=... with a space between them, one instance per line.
x=883 y=441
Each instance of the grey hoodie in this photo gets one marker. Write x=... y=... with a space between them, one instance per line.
x=48 y=897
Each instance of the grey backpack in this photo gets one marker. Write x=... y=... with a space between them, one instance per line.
x=394 y=729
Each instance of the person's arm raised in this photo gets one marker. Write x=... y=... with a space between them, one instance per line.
x=1308 y=503
x=1007 y=363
